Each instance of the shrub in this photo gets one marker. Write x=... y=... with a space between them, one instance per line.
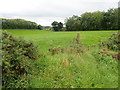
x=17 y=58
x=112 y=43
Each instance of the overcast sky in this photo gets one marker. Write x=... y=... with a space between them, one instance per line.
x=44 y=12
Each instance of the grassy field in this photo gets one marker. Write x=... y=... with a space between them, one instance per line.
x=44 y=38
x=87 y=70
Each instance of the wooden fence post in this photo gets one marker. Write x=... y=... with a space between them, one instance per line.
x=78 y=38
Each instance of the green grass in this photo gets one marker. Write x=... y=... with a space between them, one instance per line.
x=45 y=38
x=88 y=70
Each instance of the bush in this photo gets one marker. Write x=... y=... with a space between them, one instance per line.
x=17 y=58
x=113 y=42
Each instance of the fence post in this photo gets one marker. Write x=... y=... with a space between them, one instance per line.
x=78 y=38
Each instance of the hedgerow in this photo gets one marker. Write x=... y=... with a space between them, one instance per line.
x=17 y=58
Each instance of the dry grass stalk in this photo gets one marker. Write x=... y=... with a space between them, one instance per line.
x=64 y=63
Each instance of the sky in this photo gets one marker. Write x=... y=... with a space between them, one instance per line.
x=44 y=12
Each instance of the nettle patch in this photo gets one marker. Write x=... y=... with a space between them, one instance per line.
x=17 y=58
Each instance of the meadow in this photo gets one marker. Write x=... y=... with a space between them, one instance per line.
x=86 y=70
x=44 y=38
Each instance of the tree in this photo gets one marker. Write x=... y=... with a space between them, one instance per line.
x=60 y=26
x=39 y=27
x=96 y=20
x=57 y=26
x=86 y=21
x=73 y=23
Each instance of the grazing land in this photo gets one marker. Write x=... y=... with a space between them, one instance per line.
x=44 y=38
x=85 y=70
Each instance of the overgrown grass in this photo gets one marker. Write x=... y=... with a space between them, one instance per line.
x=87 y=70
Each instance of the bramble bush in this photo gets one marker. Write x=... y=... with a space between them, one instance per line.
x=113 y=42
x=18 y=56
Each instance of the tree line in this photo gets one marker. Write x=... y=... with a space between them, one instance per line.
x=19 y=24
x=99 y=20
